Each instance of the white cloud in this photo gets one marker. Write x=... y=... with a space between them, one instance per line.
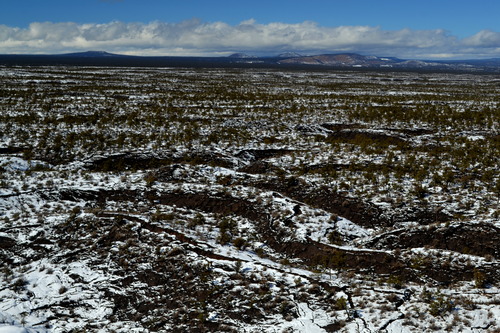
x=484 y=38
x=193 y=37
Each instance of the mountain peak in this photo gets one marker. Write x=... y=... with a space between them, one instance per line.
x=290 y=55
x=92 y=54
x=341 y=59
x=241 y=55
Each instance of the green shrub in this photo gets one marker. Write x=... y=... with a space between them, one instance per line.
x=20 y=284
x=440 y=305
x=239 y=243
x=479 y=279
x=341 y=304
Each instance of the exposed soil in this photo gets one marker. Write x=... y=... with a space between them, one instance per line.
x=369 y=137
x=12 y=150
x=258 y=167
x=135 y=161
x=357 y=211
x=312 y=252
x=479 y=239
x=259 y=154
x=6 y=242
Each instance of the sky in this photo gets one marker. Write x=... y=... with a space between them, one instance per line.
x=423 y=29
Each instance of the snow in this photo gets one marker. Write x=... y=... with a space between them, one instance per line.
x=309 y=321
x=13 y=329
x=14 y=163
x=31 y=210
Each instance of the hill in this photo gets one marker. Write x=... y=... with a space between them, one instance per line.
x=242 y=60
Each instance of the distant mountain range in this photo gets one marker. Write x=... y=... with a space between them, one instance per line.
x=92 y=54
x=287 y=60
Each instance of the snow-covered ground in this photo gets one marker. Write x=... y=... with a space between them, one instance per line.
x=161 y=200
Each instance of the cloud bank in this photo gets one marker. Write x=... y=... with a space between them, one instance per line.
x=194 y=37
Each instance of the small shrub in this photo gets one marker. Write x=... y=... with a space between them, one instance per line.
x=260 y=252
x=395 y=281
x=224 y=238
x=20 y=284
x=150 y=179
x=158 y=216
x=426 y=296
x=467 y=303
x=440 y=306
x=341 y=303
x=199 y=219
x=479 y=279
x=335 y=238
x=239 y=243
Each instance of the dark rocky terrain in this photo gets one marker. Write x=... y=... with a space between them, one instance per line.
x=248 y=200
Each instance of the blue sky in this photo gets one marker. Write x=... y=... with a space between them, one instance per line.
x=408 y=29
